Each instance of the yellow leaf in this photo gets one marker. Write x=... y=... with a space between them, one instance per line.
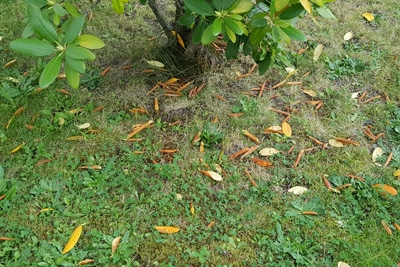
x=17 y=148
x=348 y=36
x=83 y=126
x=368 y=16
x=297 y=190
x=386 y=189
x=156 y=107
x=213 y=175
x=286 y=129
x=73 y=239
x=273 y=129
x=318 y=52
x=115 y=244
x=396 y=226
x=310 y=93
x=387 y=229
x=167 y=229
x=397 y=173
x=201 y=148
x=43 y=210
x=378 y=152
x=191 y=208
x=8 y=64
x=75 y=138
x=179 y=38
x=269 y=151
x=251 y=136
x=307 y=5
x=335 y=143
x=154 y=63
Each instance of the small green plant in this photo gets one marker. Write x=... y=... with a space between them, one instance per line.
x=246 y=105
x=211 y=135
x=344 y=65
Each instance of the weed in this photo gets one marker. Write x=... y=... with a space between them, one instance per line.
x=247 y=105
x=344 y=65
x=211 y=135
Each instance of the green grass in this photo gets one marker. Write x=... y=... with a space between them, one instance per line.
x=140 y=187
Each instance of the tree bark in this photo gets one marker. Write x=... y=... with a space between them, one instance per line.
x=166 y=26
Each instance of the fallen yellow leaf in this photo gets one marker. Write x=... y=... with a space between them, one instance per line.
x=73 y=239
x=213 y=175
x=167 y=229
x=368 y=16
x=307 y=5
x=251 y=136
x=269 y=151
x=318 y=52
x=386 y=189
x=335 y=143
x=17 y=148
x=286 y=129
x=396 y=173
x=75 y=138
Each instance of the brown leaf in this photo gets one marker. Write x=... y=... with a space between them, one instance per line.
x=73 y=239
x=310 y=93
x=105 y=71
x=139 y=128
x=286 y=129
x=3 y=238
x=239 y=153
x=396 y=226
x=19 y=111
x=156 y=107
x=253 y=183
x=213 y=175
x=387 y=229
x=114 y=244
x=43 y=162
x=251 y=136
x=313 y=213
x=210 y=225
x=167 y=229
x=196 y=138
x=235 y=115
x=386 y=189
x=2 y=197
x=29 y=127
x=63 y=91
x=8 y=64
x=262 y=163
x=87 y=261
x=93 y=167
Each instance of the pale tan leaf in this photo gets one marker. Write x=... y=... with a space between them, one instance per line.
x=269 y=151
x=179 y=197
x=297 y=190
x=213 y=175
x=378 y=152
x=355 y=95
x=387 y=229
x=342 y=264
x=368 y=16
x=310 y=93
x=156 y=64
x=335 y=143
x=83 y=126
x=73 y=239
x=167 y=229
x=274 y=129
x=75 y=138
x=318 y=52
x=286 y=129
x=348 y=36
x=87 y=261
x=114 y=244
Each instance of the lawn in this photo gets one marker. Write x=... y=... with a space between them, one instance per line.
x=282 y=169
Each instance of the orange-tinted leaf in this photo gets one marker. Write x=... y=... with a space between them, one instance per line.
x=17 y=148
x=251 y=136
x=43 y=162
x=85 y=262
x=156 y=107
x=75 y=138
x=262 y=163
x=286 y=129
x=167 y=229
x=171 y=81
x=139 y=128
x=8 y=64
x=99 y=108
x=3 y=238
x=196 y=138
x=313 y=213
x=19 y=111
x=235 y=115
x=29 y=127
x=386 y=189
x=239 y=153
x=73 y=239
x=93 y=167
x=114 y=244
x=396 y=226
x=210 y=225
x=2 y=197
x=43 y=210
x=326 y=182
x=213 y=175
x=105 y=71
x=63 y=91
x=387 y=229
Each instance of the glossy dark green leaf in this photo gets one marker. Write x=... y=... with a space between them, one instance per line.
x=217 y=26
x=201 y=7
x=294 y=34
x=258 y=35
x=292 y=12
x=73 y=77
x=32 y=47
x=232 y=50
x=208 y=37
x=75 y=64
x=40 y=25
x=72 y=28
x=73 y=10
x=187 y=19
x=265 y=64
x=233 y=25
x=50 y=72
x=59 y=10
x=198 y=31
x=223 y=4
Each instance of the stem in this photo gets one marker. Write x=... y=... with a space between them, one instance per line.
x=162 y=20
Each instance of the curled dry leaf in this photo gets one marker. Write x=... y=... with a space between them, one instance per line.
x=251 y=136
x=114 y=244
x=387 y=229
x=93 y=167
x=297 y=190
x=213 y=175
x=348 y=36
x=75 y=138
x=335 y=143
x=286 y=129
x=210 y=225
x=43 y=210
x=313 y=213
x=368 y=16
x=318 y=52
x=378 y=152
x=385 y=189
x=167 y=229
x=397 y=173
x=239 y=153
x=262 y=163
x=310 y=93
x=274 y=129
x=396 y=226
x=87 y=261
x=73 y=239
x=3 y=238
x=83 y=126
x=17 y=148
x=269 y=151
x=235 y=115
x=342 y=264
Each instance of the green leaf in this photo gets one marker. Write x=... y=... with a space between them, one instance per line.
x=72 y=28
x=90 y=41
x=72 y=76
x=118 y=6
x=217 y=26
x=258 y=35
x=50 y=72
x=76 y=52
x=187 y=19
x=56 y=19
x=198 y=31
x=242 y=6
x=73 y=10
x=223 y=4
x=28 y=31
x=199 y=6
x=1 y=172
x=325 y=12
x=208 y=36
x=278 y=5
x=89 y=54
x=38 y=3
x=40 y=25
x=32 y=47
x=265 y=64
x=259 y=22
x=233 y=25
x=232 y=50
x=292 y=12
x=278 y=33
x=231 y=34
x=294 y=34
x=59 y=10
x=75 y=64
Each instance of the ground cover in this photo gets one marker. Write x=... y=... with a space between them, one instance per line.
x=73 y=158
